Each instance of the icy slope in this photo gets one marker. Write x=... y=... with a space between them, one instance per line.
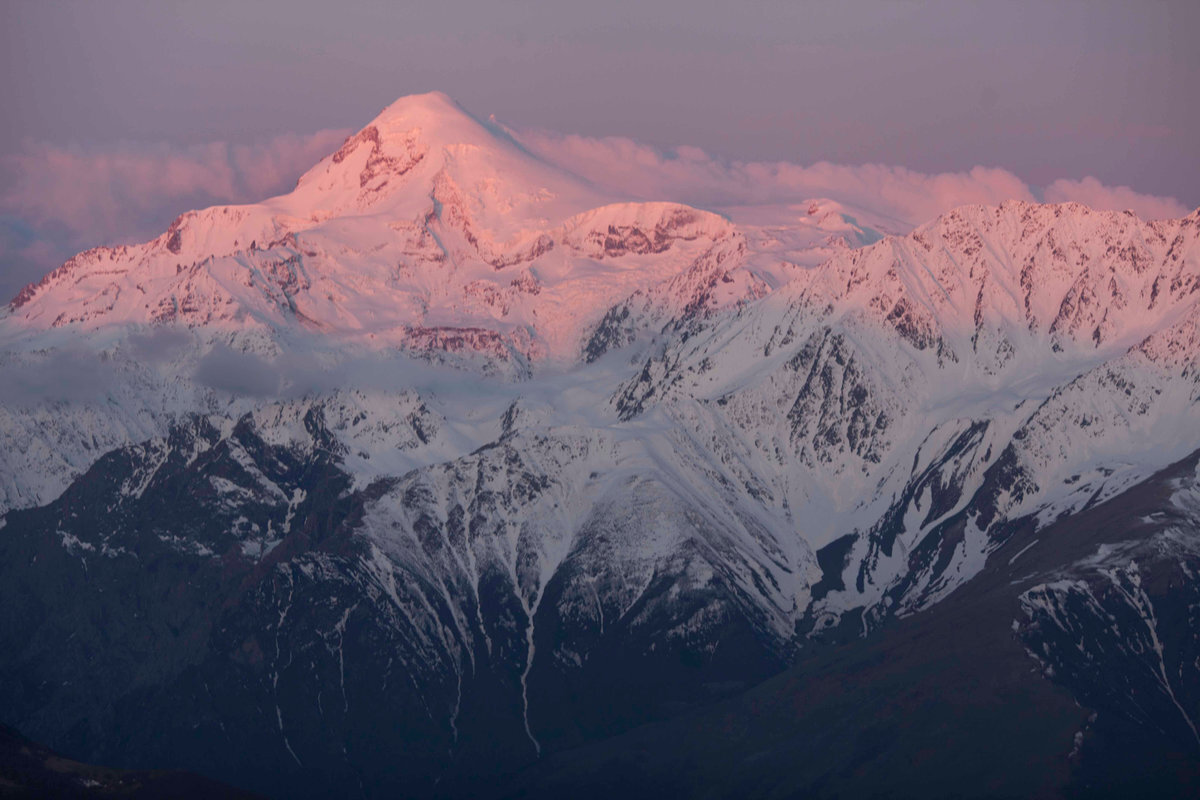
x=918 y=393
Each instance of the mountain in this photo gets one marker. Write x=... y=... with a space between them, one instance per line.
x=426 y=229
x=427 y=232
x=1067 y=656
x=446 y=466
x=994 y=364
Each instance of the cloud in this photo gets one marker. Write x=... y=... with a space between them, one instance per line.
x=238 y=373
x=313 y=367
x=58 y=200
x=77 y=374
x=121 y=191
x=157 y=345
x=301 y=370
x=66 y=375
x=689 y=175
x=1092 y=192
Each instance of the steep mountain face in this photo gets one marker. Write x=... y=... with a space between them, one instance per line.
x=995 y=363
x=317 y=613
x=1071 y=654
x=444 y=463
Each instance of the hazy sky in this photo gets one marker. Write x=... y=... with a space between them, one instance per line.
x=1047 y=90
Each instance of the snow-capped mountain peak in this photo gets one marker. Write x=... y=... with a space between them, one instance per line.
x=425 y=143
x=427 y=229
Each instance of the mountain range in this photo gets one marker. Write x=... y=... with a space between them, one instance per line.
x=451 y=474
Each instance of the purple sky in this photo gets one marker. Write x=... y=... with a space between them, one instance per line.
x=1047 y=90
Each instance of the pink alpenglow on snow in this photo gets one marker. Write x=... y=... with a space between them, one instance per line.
x=428 y=221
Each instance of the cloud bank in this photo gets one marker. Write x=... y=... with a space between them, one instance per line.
x=57 y=201
x=1091 y=192
x=689 y=175
x=70 y=375
x=77 y=374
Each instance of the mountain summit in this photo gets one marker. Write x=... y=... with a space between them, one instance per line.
x=398 y=159
x=426 y=227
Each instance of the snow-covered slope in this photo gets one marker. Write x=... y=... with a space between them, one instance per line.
x=995 y=363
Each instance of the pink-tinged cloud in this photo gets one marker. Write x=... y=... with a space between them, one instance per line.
x=131 y=192
x=56 y=201
x=1092 y=192
x=689 y=175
